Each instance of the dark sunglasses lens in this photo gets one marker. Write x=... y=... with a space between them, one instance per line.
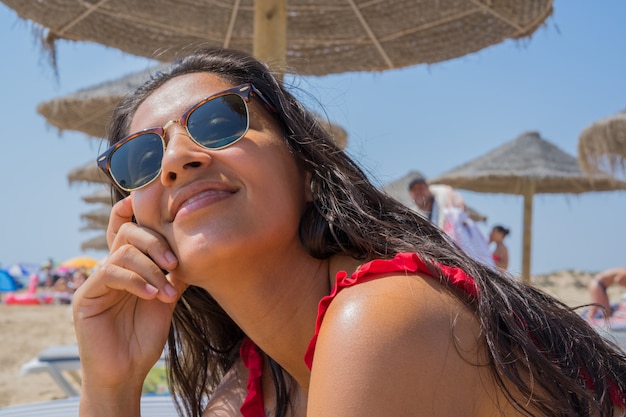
x=219 y=122
x=138 y=161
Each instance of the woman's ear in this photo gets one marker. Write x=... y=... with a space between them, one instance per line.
x=308 y=186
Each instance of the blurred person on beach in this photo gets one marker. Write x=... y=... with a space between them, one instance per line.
x=45 y=273
x=444 y=207
x=67 y=283
x=500 y=253
x=281 y=282
x=62 y=289
x=78 y=278
x=598 y=287
x=430 y=199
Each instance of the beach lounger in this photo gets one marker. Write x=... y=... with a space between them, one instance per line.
x=57 y=360
x=151 y=406
x=63 y=364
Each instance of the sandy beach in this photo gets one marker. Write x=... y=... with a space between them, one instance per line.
x=27 y=330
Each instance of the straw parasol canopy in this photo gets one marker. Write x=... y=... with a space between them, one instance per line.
x=89 y=172
x=92 y=225
x=310 y=37
x=603 y=144
x=103 y=196
x=89 y=110
x=399 y=190
x=98 y=242
x=527 y=166
x=97 y=219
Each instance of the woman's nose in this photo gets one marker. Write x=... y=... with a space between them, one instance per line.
x=182 y=157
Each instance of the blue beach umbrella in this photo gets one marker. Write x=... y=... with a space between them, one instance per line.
x=7 y=282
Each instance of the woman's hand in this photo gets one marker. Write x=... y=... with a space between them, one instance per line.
x=122 y=312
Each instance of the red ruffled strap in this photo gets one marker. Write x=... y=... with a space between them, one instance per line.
x=403 y=262
x=253 y=360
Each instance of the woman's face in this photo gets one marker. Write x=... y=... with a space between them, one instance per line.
x=495 y=236
x=215 y=207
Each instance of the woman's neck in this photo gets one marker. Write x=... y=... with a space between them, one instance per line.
x=275 y=303
x=278 y=309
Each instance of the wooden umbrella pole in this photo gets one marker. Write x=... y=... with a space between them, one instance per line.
x=270 y=32
x=529 y=191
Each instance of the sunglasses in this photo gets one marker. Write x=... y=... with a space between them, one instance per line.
x=215 y=122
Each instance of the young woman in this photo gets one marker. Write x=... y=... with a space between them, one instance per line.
x=281 y=282
x=500 y=253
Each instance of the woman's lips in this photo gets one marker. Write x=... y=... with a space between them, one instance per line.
x=188 y=201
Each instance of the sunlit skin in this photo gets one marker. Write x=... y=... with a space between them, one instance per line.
x=227 y=221
x=214 y=219
x=598 y=290
x=254 y=213
x=215 y=205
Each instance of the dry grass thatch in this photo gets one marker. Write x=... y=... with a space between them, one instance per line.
x=88 y=172
x=603 y=145
x=97 y=219
x=102 y=195
x=318 y=37
x=89 y=110
x=96 y=243
x=527 y=161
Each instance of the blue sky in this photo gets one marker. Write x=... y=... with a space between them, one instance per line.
x=427 y=118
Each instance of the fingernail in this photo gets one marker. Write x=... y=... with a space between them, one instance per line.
x=169 y=290
x=169 y=256
x=151 y=289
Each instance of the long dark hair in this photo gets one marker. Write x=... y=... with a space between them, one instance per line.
x=545 y=358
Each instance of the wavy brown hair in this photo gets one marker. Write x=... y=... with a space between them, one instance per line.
x=544 y=356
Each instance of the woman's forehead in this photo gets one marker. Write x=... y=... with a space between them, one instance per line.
x=169 y=101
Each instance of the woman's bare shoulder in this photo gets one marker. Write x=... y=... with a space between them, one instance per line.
x=396 y=302
x=407 y=343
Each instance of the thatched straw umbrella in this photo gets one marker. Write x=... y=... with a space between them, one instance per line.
x=527 y=166
x=603 y=145
x=89 y=110
x=399 y=189
x=92 y=225
x=89 y=172
x=311 y=37
x=103 y=196
x=98 y=242
x=97 y=219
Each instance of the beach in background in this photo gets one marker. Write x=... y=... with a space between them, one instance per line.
x=27 y=330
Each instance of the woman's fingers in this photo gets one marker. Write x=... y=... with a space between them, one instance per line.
x=121 y=213
x=147 y=241
x=123 y=312
x=129 y=300
x=131 y=270
x=122 y=230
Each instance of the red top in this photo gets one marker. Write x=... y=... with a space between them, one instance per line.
x=403 y=262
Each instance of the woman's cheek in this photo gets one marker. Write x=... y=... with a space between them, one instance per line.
x=145 y=207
